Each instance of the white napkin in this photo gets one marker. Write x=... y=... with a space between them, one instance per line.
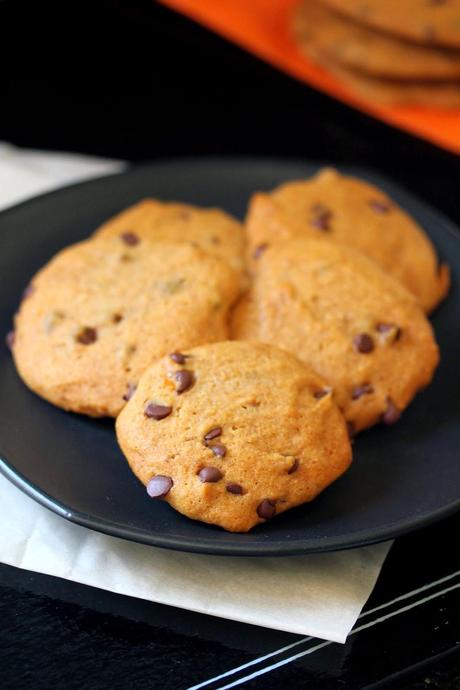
x=319 y=595
x=26 y=173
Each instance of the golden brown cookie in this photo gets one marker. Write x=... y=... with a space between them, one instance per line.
x=352 y=212
x=101 y=311
x=365 y=50
x=233 y=433
x=391 y=91
x=354 y=324
x=210 y=229
x=436 y=22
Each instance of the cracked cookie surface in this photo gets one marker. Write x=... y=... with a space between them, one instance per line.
x=102 y=310
x=210 y=229
x=355 y=325
x=350 y=211
x=254 y=433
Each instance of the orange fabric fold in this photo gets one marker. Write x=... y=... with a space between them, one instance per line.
x=262 y=28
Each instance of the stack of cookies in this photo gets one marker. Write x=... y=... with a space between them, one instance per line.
x=239 y=360
x=389 y=51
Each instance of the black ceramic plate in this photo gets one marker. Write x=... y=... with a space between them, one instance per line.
x=402 y=477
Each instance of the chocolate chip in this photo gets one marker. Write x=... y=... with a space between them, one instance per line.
x=178 y=357
x=184 y=379
x=130 y=238
x=294 y=467
x=219 y=449
x=116 y=318
x=322 y=216
x=159 y=486
x=212 y=433
x=210 y=475
x=130 y=392
x=236 y=489
x=266 y=509
x=28 y=291
x=87 y=336
x=379 y=206
x=391 y=414
x=9 y=339
x=351 y=430
x=157 y=411
x=363 y=343
x=359 y=391
x=321 y=393
x=259 y=250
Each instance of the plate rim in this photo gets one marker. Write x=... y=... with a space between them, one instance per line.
x=212 y=546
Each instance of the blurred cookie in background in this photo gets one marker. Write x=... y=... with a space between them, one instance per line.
x=386 y=67
x=433 y=22
x=397 y=92
x=360 y=48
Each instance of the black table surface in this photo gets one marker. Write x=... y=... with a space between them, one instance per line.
x=131 y=79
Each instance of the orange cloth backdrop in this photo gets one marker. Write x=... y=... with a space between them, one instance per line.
x=262 y=27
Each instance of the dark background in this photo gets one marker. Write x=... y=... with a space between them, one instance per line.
x=131 y=79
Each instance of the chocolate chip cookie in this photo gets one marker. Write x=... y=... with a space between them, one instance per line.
x=317 y=30
x=233 y=433
x=354 y=324
x=433 y=22
x=210 y=229
x=102 y=310
x=381 y=91
x=350 y=211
